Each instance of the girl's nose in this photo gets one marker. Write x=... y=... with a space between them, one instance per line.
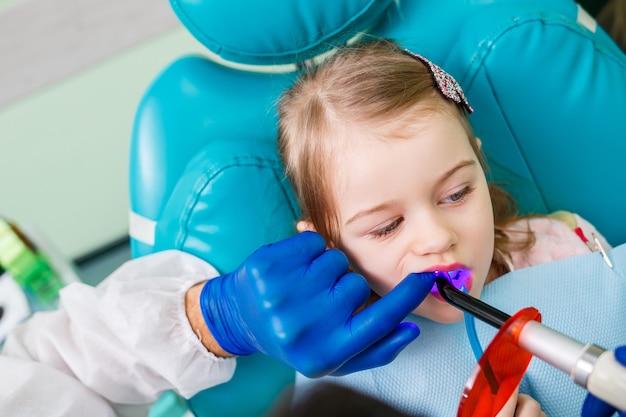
x=432 y=234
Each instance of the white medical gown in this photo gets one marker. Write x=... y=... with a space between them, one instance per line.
x=113 y=349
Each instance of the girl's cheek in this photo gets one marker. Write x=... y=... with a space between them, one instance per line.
x=382 y=287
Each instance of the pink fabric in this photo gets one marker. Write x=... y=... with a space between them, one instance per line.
x=554 y=240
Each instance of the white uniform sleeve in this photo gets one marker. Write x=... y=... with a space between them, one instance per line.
x=121 y=343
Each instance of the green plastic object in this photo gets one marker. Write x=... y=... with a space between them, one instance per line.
x=30 y=268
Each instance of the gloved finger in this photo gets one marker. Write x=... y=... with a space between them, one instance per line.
x=595 y=407
x=296 y=251
x=349 y=293
x=382 y=316
x=326 y=269
x=382 y=352
x=274 y=266
x=620 y=355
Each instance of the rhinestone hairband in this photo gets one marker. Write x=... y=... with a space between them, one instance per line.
x=445 y=82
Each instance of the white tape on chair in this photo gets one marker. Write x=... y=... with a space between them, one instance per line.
x=141 y=228
x=584 y=19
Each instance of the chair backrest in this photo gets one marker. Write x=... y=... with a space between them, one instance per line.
x=547 y=84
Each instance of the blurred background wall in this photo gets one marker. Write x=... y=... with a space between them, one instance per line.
x=71 y=75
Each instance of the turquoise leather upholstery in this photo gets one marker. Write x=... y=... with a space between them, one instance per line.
x=202 y=158
x=547 y=87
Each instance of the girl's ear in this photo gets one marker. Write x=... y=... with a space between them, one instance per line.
x=479 y=142
x=304 y=226
x=307 y=226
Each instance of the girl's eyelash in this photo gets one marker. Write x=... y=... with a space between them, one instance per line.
x=393 y=226
x=387 y=229
x=462 y=194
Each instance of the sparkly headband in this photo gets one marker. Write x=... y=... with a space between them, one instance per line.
x=445 y=82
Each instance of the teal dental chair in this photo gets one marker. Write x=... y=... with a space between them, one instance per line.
x=547 y=84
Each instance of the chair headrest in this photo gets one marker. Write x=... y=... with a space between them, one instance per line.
x=275 y=32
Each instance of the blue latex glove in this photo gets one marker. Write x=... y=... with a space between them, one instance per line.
x=594 y=407
x=295 y=301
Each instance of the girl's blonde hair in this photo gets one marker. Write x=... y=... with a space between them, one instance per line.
x=373 y=84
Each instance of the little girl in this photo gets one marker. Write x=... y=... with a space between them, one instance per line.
x=380 y=152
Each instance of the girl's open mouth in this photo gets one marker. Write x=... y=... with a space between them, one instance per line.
x=461 y=279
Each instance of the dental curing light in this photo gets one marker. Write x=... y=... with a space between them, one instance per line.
x=589 y=365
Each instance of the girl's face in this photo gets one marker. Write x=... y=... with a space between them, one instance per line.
x=413 y=205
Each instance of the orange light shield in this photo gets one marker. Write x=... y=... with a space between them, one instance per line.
x=499 y=371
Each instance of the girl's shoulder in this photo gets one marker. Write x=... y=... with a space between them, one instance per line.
x=558 y=235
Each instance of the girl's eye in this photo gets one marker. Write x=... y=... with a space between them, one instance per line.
x=387 y=229
x=458 y=196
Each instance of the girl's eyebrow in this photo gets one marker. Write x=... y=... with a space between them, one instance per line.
x=460 y=165
x=387 y=204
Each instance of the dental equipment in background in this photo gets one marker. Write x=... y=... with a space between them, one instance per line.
x=589 y=365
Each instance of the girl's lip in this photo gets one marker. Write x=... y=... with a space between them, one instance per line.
x=459 y=276
x=446 y=268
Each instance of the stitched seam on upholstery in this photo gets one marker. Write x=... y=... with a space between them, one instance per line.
x=207 y=177
x=195 y=30
x=485 y=48
x=486 y=45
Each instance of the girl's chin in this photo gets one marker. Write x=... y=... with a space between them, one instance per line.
x=453 y=317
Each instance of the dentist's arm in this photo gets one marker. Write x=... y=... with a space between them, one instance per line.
x=112 y=349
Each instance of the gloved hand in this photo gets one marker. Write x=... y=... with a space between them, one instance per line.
x=594 y=407
x=295 y=301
